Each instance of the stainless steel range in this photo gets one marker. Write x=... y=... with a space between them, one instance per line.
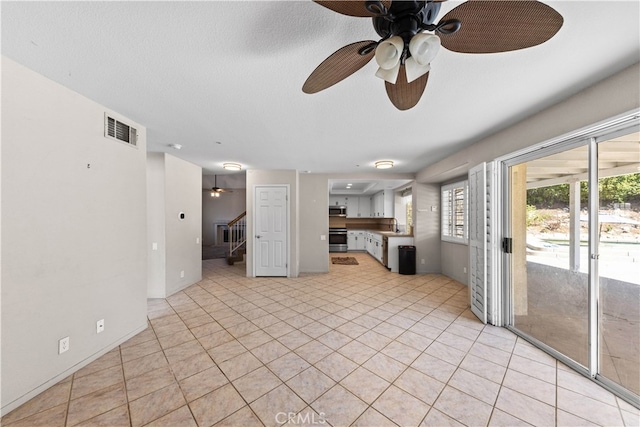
x=337 y=240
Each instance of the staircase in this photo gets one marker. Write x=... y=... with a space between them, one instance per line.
x=237 y=239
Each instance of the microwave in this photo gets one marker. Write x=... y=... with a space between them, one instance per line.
x=338 y=211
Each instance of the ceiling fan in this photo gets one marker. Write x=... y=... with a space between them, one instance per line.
x=410 y=39
x=215 y=190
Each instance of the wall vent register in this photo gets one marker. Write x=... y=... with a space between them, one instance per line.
x=121 y=131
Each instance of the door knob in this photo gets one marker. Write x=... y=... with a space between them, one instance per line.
x=257 y=237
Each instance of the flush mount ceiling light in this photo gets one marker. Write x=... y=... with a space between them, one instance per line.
x=232 y=166
x=384 y=164
x=411 y=36
x=175 y=146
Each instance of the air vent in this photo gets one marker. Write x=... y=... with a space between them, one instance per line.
x=121 y=131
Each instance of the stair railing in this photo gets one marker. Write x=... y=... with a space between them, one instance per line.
x=237 y=233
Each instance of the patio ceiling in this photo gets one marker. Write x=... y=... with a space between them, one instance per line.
x=618 y=156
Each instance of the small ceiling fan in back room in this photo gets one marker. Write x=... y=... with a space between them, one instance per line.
x=410 y=39
x=215 y=190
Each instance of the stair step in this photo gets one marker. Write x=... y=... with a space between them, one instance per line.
x=239 y=256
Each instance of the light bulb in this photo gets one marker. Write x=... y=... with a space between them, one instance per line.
x=388 y=55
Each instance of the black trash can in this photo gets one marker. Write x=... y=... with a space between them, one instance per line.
x=407 y=259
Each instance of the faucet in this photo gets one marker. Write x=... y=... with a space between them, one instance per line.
x=396 y=225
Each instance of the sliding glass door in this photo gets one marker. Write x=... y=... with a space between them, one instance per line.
x=549 y=266
x=619 y=260
x=573 y=217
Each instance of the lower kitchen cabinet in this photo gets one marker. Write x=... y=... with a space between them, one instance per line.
x=356 y=240
x=375 y=247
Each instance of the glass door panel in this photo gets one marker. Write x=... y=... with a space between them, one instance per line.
x=549 y=261
x=619 y=256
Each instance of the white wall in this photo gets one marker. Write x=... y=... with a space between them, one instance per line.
x=174 y=186
x=314 y=222
x=275 y=177
x=156 y=259
x=455 y=261
x=426 y=230
x=183 y=193
x=613 y=96
x=73 y=233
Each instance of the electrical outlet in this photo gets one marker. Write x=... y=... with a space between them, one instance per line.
x=464 y=269
x=182 y=274
x=154 y=246
x=63 y=345
x=100 y=326
x=197 y=240
x=422 y=261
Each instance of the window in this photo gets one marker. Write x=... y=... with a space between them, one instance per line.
x=407 y=203
x=454 y=212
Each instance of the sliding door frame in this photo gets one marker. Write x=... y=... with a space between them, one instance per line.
x=590 y=137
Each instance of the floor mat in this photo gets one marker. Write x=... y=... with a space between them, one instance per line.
x=347 y=260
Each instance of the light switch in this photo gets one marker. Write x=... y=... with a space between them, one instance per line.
x=197 y=240
x=154 y=246
x=323 y=237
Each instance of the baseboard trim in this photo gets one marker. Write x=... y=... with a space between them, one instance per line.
x=75 y=368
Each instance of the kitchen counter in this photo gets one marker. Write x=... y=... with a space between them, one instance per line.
x=375 y=245
x=391 y=233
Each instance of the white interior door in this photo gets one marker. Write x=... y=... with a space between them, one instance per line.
x=270 y=239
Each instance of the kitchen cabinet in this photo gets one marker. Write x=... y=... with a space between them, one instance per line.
x=382 y=204
x=359 y=207
x=338 y=201
x=356 y=240
x=374 y=245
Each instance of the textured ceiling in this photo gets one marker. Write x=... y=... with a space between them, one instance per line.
x=224 y=79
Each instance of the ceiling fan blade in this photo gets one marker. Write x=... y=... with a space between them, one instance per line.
x=500 y=26
x=351 y=7
x=338 y=66
x=406 y=95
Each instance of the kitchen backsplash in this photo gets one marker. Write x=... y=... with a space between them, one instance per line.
x=382 y=224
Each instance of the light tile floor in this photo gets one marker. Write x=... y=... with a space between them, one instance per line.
x=358 y=346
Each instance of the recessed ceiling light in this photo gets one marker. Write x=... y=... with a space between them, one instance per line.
x=384 y=164
x=232 y=166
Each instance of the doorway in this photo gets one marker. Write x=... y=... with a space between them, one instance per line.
x=573 y=220
x=271 y=249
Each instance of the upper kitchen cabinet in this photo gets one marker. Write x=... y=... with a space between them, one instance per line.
x=367 y=197
x=382 y=204
x=359 y=207
x=338 y=201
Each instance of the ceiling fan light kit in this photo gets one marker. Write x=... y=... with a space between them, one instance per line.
x=410 y=39
x=215 y=190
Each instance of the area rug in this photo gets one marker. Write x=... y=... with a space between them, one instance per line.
x=347 y=260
